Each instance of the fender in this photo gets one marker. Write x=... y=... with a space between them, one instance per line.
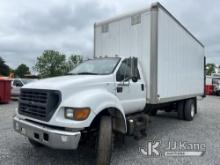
x=97 y=100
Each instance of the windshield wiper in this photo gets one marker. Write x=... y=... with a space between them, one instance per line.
x=85 y=73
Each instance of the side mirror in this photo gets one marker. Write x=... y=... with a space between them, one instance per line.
x=134 y=79
x=134 y=65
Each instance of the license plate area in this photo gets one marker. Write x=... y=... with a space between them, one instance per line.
x=32 y=133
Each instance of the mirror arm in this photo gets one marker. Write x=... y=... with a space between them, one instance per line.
x=123 y=82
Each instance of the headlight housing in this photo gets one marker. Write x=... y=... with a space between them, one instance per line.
x=78 y=114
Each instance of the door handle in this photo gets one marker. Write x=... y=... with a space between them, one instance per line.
x=142 y=87
x=119 y=89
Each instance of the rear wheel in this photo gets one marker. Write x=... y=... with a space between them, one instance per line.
x=180 y=110
x=35 y=143
x=190 y=109
x=104 y=148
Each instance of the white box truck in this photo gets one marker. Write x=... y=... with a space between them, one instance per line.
x=145 y=61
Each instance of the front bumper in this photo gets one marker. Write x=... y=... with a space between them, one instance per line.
x=48 y=136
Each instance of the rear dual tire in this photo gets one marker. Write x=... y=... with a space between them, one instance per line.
x=187 y=109
x=180 y=110
x=190 y=110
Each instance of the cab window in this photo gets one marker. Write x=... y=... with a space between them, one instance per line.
x=124 y=71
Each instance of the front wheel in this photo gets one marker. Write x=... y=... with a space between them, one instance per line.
x=104 y=148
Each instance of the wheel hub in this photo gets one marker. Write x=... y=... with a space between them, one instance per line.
x=192 y=111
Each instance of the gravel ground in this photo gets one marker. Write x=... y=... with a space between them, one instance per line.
x=165 y=127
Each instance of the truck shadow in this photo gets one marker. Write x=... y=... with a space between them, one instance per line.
x=82 y=156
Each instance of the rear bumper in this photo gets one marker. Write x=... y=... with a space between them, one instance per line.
x=49 y=137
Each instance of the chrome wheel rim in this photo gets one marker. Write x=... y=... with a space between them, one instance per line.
x=192 y=110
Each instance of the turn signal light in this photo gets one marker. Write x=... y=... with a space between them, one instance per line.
x=81 y=114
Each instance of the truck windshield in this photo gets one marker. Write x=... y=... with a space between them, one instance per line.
x=100 y=66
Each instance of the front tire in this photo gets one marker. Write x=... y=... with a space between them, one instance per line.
x=104 y=148
x=190 y=109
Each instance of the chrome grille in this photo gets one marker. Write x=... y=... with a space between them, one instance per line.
x=39 y=104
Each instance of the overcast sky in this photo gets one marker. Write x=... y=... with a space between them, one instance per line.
x=27 y=27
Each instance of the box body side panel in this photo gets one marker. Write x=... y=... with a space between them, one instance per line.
x=180 y=60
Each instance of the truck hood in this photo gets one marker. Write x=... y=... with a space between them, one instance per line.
x=73 y=81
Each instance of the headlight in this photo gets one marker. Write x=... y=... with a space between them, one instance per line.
x=77 y=113
x=69 y=113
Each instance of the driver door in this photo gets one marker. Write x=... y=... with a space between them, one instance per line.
x=132 y=95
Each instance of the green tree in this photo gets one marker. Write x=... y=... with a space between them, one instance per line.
x=73 y=61
x=22 y=70
x=210 y=68
x=4 y=69
x=51 y=63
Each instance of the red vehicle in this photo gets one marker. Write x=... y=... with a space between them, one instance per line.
x=212 y=85
x=5 y=90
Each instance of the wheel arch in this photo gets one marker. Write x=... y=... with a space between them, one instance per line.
x=118 y=119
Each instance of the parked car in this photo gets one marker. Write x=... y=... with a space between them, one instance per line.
x=16 y=85
x=153 y=63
